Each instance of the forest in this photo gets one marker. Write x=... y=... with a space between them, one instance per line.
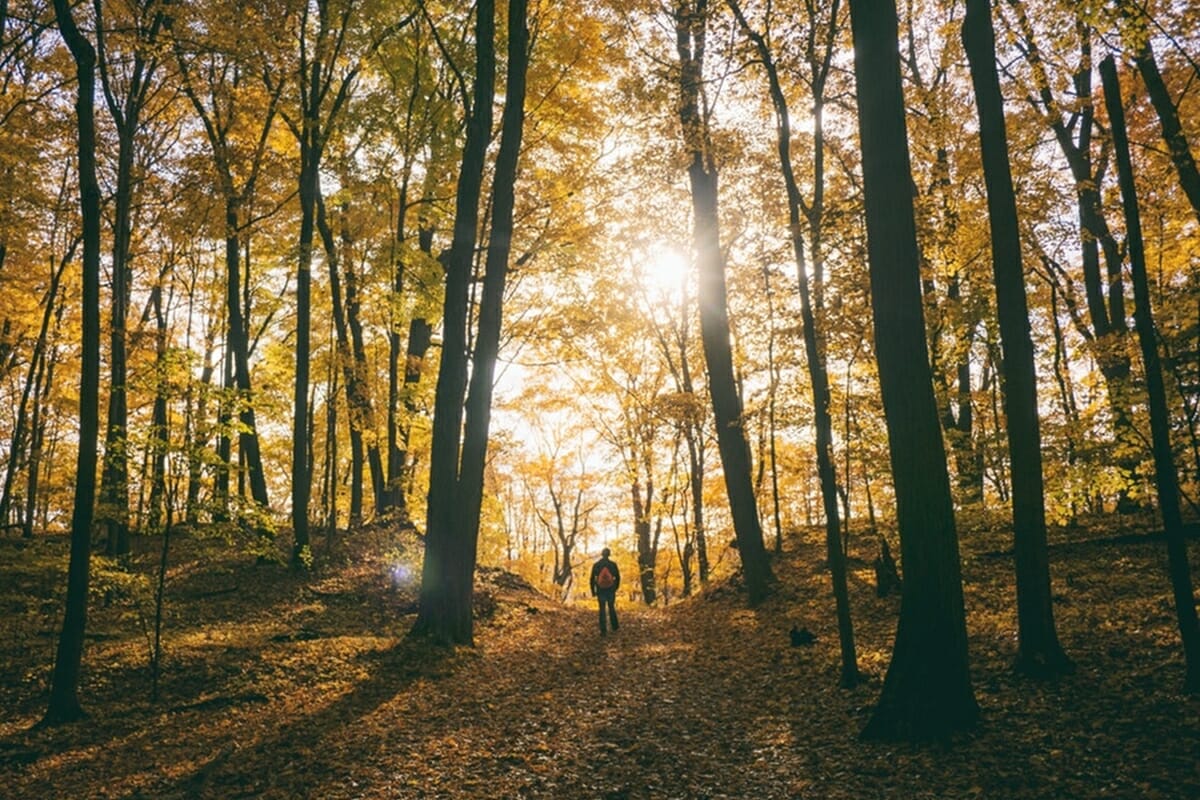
x=338 y=337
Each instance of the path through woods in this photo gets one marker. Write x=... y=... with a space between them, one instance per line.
x=304 y=689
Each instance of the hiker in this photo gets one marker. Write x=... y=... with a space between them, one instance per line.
x=606 y=579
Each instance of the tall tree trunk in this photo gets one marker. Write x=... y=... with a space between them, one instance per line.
x=927 y=691
x=1166 y=479
x=487 y=343
x=362 y=403
x=1172 y=127
x=691 y=23
x=322 y=98
x=64 y=704
x=344 y=360
x=814 y=355
x=1106 y=309
x=114 y=481
x=1038 y=649
x=313 y=85
x=444 y=612
x=238 y=337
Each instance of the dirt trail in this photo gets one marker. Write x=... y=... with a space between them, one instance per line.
x=664 y=707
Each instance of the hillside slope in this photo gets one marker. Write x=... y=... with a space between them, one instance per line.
x=287 y=689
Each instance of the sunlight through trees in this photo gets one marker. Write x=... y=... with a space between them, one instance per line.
x=528 y=279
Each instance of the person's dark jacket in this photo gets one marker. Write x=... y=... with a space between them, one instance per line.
x=612 y=567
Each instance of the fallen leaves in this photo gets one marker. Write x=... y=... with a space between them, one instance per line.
x=287 y=688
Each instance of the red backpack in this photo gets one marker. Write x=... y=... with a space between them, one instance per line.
x=605 y=579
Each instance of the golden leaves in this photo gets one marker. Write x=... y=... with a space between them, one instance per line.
x=286 y=689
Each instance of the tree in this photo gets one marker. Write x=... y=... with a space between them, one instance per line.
x=1168 y=116
x=445 y=607
x=953 y=308
x=456 y=476
x=927 y=691
x=325 y=84
x=51 y=310
x=691 y=423
x=1166 y=478
x=1038 y=650
x=351 y=356
x=126 y=109
x=37 y=230
x=425 y=133
x=159 y=433
x=691 y=29
x=315 y=74
x=814 y=346
x=569 y=521
x=1075 y=131
x=239 y=151
x=64 y=703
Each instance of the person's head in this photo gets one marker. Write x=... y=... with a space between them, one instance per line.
x=606 y=552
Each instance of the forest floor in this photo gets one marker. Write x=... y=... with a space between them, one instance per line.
x=278 y=686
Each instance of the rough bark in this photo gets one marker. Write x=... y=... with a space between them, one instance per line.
x=927 y=691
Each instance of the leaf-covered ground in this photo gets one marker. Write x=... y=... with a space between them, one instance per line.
x=278 y=687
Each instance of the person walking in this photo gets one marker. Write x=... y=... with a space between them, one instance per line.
x=606 y=579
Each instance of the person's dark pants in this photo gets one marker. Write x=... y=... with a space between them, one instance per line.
x=607 y=597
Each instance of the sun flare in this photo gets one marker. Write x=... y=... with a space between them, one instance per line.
x=664 y=272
